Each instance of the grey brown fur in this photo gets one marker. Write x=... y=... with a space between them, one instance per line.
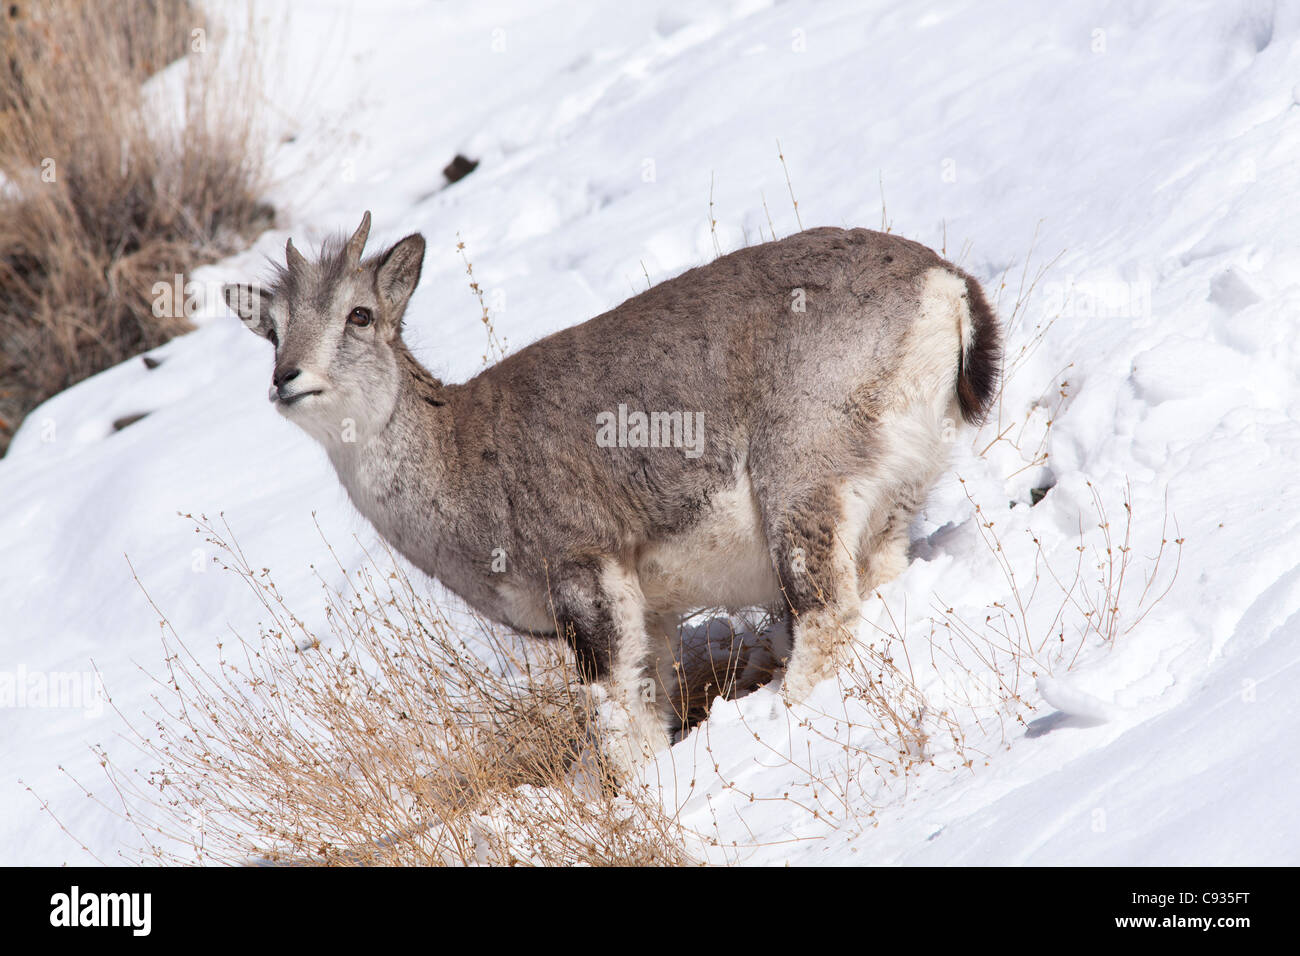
x=823 y=431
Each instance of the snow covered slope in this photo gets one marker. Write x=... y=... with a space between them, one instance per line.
x=1151 y=150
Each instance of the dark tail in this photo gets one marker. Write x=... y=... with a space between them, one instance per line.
x=980 y=365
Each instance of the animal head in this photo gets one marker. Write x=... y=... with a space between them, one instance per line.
x=336 y=326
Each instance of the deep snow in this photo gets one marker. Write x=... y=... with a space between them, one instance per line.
x=1145 y=155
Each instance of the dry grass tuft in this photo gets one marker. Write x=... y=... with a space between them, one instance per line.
x=1051 y=610
x=403 y=736
x=113 y=177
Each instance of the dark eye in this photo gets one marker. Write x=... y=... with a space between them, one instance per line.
x=360 y=316
x=275 y=339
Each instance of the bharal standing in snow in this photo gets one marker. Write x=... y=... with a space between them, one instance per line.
x=758 y=431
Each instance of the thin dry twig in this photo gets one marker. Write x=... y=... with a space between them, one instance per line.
x=496 y=347
x=789 y=185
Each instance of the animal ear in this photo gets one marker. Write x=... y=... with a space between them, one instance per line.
x=253 y=306
x=399 y=270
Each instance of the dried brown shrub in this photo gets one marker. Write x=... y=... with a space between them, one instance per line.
x=113 y=177
x=401 y=734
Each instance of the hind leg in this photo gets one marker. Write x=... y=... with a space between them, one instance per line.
x=882 y=554
x=814 y=544
x=913 y=449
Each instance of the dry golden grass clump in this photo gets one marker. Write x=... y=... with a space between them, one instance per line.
x=406 y=735
x=113 y=178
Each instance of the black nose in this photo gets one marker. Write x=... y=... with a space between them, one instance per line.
x=283 y=376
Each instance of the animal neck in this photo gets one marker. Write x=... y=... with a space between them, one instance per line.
x=416 y=382
x=407 y=452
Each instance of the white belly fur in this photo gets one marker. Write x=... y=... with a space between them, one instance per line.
x=721 y=562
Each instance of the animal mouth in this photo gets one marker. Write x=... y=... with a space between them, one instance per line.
x=295 y=397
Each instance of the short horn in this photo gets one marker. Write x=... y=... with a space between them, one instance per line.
x=295 y=258
x=358 y=240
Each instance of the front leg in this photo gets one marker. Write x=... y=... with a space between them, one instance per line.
x=600 y=608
